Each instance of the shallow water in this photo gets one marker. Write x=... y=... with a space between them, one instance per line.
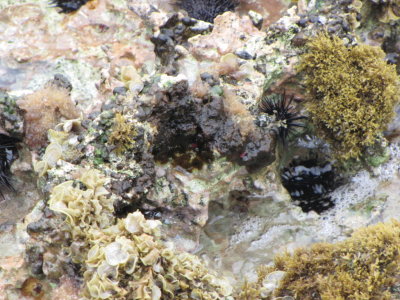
x=272 y=10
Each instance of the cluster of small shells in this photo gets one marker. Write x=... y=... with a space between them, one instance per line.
x=59 y=147
x=125 y=258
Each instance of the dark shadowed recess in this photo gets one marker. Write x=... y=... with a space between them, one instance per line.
x=207 y=10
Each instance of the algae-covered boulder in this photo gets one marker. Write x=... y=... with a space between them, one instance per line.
x=352 y=93
x=362 y=267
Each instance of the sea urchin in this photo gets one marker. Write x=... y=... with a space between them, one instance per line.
x=68 y=6
x=279 y=106
x=206 y=10
x=7 y=153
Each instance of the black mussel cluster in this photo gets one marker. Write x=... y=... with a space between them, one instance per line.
x=309 y=183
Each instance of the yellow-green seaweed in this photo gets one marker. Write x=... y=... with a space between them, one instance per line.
x=362 y=267
x=125 y=258
x=122 y=135
x=352 y=93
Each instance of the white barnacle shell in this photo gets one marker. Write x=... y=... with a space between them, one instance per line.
x=150 y=226
x=271 y=282
x=155 y=292
x=101 y=288
x=134 y=221
x=56 y=136
x=94 y=256
x=225 y=288
x=94 y=179
x=106 y=271
x=208 y=278
x=131 y=264
x=40 y=167
x=143 y=292
x=151 y=258
x=52 y=154
x=59 y=200
x=196 y=294
x=167 y=254
x=68 y=125
x=167 y=287
x=115 y=254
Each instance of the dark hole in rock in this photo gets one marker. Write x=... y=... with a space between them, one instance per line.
x=180 y=137
x=123 y=208
x=190 y=151
x=309 y=183
x=207 y=10
x=68 y=6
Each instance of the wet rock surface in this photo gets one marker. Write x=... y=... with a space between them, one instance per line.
x=169 y=115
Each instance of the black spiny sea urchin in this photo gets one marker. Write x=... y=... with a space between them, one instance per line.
x=7 y=153
x=286 y=117
x=207 y=10
x=68 y=6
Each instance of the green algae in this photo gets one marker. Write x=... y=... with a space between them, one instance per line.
x=352 y=93
x=125 y=258
x=362 y=267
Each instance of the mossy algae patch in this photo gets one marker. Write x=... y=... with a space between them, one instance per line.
x=364 y=266
x=353 y=92
x=122 y=134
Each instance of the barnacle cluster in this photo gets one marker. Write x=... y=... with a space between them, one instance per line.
x=207 y=10
x=362 y=267
x=125 y=258
x=59 y=147
x=280 y=107
x=352 y=93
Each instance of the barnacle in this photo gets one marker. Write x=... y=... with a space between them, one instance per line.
x=207 y=10
x=352 y=93
x=364 y=266
x=68 y=6
x=57 y=149
x=279 y=106
x=8 y=151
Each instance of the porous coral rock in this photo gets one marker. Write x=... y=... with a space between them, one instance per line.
x=225 y=37
x=110 y=37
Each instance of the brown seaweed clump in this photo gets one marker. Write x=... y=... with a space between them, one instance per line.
x=44 y=110
x=353 y=92
x=122 y=134
x=362 y=267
